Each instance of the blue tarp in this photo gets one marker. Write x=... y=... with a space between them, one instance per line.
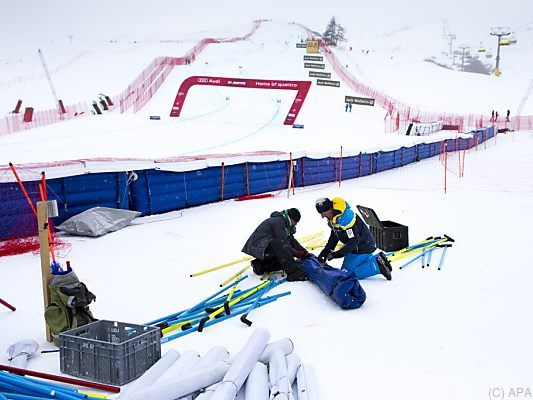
x=341 y=286
x=155 y=191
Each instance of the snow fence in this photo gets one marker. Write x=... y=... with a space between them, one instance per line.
x=154 y=187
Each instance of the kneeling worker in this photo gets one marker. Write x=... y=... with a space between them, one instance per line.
x=359 y=244
x=274 y=247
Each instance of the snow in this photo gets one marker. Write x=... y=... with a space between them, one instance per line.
x=454 y=333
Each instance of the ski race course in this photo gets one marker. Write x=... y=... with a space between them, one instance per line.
x=457 y=331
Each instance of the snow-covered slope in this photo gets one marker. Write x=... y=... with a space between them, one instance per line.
x=454 y=333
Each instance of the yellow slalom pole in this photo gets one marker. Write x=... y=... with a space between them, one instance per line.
x=415 y=251
x=232 y=292
x=92 y=395
x=228 y=264
x=234 y=276
x=308 y=238
x=238 y=299
x=178 y=325
x=406 y=250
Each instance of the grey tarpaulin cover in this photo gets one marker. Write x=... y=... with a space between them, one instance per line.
x=98 y=221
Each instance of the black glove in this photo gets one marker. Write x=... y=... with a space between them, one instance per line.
x=323 y=255
x=333 y=255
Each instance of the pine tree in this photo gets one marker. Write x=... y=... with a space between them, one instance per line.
x=334 y=33
x=329 y=34
x=339 y=35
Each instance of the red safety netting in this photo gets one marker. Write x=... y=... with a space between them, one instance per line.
x=400 y=115
x=136 y=95
x=19 y=217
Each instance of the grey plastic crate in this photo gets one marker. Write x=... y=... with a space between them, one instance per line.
x=109 y=352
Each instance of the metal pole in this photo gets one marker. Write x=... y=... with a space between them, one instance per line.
x=49 y=79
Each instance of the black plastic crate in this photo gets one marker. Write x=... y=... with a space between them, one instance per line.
x=109 y=352
x=389 y=235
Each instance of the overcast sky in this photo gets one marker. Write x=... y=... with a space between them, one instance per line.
x=30 y=21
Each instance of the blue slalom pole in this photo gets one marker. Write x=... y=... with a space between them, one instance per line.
x=13 y=388
x=442 y=256
x=414 y=259
x=39 y=389
x=244 y=318
x=16 y=396
x=200 y=303
x=67 y=390
x=244 y=303
x=211 y=322
x=429 y=256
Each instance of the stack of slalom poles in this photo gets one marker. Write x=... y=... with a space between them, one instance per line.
x=423 y=251
x=226 y=303
x=14 y=386
x=310 y=242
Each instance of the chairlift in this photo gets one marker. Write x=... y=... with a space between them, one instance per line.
x=512 y=39
x=504 y=42
x=481 y=50
x=488 y=54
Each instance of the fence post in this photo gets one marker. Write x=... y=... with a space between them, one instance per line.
x=445 y=164
x=222 y=183
x=340 y=169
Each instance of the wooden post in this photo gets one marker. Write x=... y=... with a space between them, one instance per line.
x=290 y=176
x=42 y=220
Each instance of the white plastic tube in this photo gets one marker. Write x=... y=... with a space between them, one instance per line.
x=207 y=392
x=285 y=345
x=182 y=365
x=277 y=374
x=155 y=371
x=242 y=366
x=182 y=385
x=307 y=384
x=293 y=363
x=213 y=356
x=256 y=386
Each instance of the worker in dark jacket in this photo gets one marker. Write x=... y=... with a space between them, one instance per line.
x=359 y=244
x=274 y=247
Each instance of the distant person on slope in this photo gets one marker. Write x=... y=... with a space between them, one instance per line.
x=359 y=244
x=274 y=247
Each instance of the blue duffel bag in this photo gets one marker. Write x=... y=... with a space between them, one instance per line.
x=341 y=286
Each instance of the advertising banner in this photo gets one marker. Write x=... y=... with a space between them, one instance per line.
x=318 y=74
x=302 y=87
x=312 y=46
x=364 y=101
x=323 y=82
x=314 y=65
x=313 y=58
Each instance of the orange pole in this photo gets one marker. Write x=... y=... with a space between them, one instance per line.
x=12 y=167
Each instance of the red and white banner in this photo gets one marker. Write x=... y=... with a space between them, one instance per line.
x=302 y=88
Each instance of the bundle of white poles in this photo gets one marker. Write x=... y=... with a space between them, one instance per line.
x=260 y=371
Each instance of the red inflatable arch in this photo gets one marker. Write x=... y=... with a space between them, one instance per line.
x=302 y=88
